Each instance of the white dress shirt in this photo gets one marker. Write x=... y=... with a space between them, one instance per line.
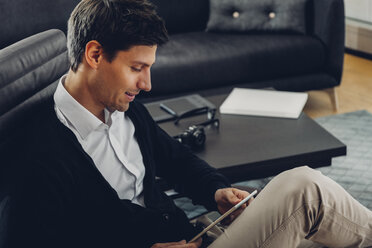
x=111 y=145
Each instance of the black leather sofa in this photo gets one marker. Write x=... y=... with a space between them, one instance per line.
x=196 y=60
x=193 y=61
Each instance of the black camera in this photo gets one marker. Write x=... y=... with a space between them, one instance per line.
x=194 y=137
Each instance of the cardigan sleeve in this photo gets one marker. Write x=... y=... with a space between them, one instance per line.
x=193 y=176
x=38 y=204
x=177 y=164
x=61 y=201
x=46 y=212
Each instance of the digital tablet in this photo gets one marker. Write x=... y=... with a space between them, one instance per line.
x=224 y=216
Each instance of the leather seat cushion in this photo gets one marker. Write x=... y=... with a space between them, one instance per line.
x=202 y=60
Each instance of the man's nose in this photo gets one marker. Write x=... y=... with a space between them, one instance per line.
x=145 y=82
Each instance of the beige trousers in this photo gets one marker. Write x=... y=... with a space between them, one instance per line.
x=297 y=204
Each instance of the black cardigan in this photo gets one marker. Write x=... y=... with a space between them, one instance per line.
x=62 y=200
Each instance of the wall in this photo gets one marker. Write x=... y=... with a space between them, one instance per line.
x=359 y=25
x=359 y=9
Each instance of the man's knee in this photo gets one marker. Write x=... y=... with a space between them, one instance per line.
x=303 y=174
x=300 y=180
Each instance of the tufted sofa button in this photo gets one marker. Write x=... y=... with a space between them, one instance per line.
x=272 y=15
x=235 y=14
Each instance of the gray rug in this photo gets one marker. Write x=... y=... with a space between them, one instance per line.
x=353 y=172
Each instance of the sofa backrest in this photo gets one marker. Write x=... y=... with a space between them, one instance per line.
x=22 y=18
x=29 y=71
x=183 y=15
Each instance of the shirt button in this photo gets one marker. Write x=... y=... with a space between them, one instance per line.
x=166 y=217
x=272 y=15
x=235 y=14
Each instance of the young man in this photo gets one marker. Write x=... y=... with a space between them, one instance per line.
x=93 y=153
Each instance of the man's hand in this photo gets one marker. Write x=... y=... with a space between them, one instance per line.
x=180 y=244
x=227 y=198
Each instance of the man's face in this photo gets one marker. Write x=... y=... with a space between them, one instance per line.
x=115 y=84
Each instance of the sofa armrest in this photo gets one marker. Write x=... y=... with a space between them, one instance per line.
x=329 y=27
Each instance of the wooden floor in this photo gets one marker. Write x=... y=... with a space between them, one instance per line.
x=354 y=93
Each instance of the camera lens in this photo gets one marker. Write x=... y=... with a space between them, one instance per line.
x=199 y=138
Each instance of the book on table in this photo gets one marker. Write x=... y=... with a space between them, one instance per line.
x=270 y=103
x=173 y=108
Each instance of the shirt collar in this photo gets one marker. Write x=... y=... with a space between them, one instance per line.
x=82 y=120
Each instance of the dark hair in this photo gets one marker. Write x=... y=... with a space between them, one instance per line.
x=115 y=24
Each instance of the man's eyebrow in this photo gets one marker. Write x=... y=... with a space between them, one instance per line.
x=141 y=63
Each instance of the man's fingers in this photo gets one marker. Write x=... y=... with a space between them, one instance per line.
x=231 y=197
x=169 y=244
x=240 y=193
x=180 y=244
x=228 y=197
x=243 y=194
x=197 y=243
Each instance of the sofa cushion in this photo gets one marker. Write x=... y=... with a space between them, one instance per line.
x=208 y=60
x=257 y=15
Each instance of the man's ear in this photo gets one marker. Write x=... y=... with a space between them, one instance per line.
x=93 y=53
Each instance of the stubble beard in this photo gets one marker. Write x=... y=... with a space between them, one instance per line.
x=118 y=107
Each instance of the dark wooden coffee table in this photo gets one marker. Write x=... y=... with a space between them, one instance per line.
x=246 y=147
